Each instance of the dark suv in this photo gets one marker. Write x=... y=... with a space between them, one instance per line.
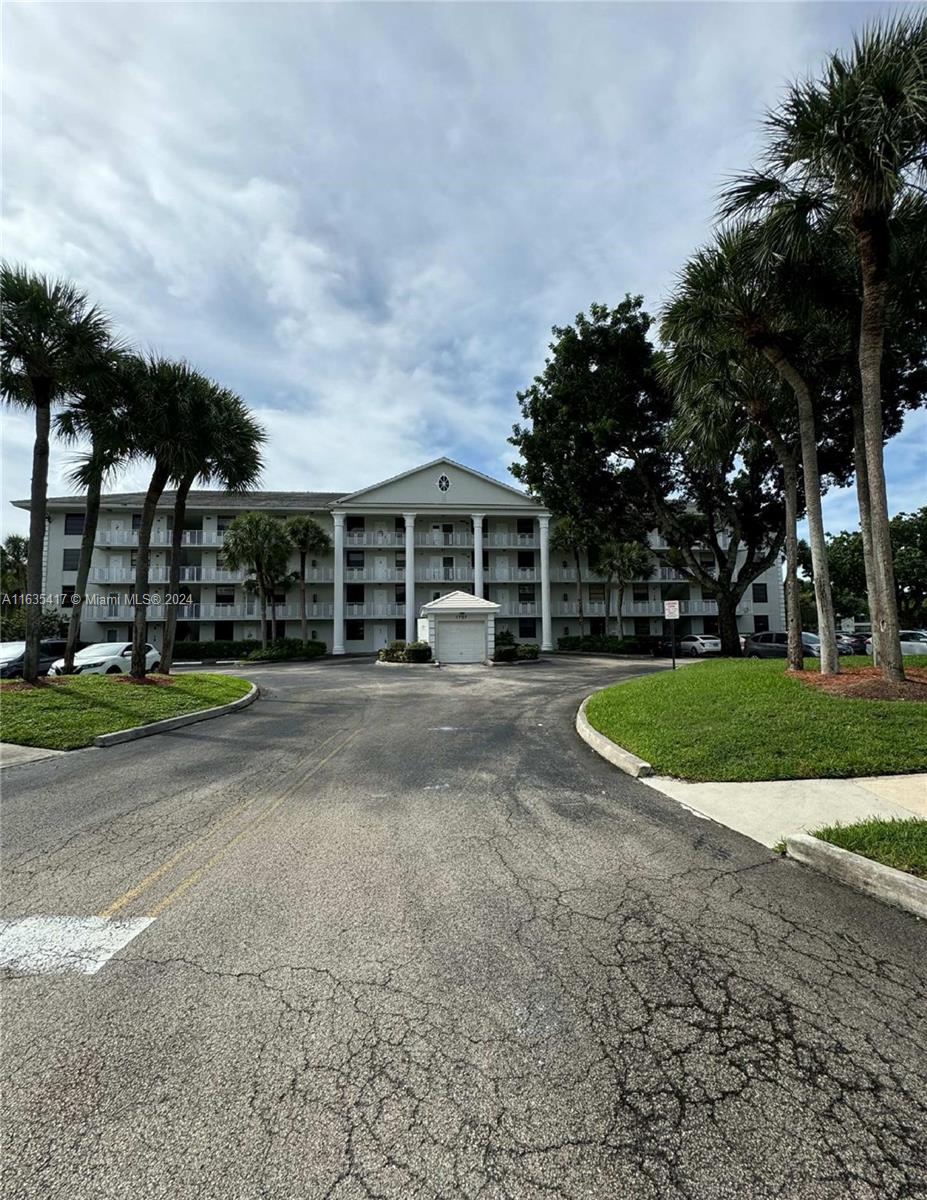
x=11 y=656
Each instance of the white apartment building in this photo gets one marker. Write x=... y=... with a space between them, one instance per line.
x=396 y=546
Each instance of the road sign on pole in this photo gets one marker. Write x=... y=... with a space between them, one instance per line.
x=671 y=614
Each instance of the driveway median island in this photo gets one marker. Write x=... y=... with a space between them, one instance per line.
x=69 y=712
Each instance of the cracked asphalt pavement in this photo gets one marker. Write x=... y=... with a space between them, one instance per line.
x=413 y=939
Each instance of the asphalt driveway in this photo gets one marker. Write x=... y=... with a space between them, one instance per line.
x=401 y=934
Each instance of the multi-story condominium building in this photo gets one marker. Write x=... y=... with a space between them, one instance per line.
x=396 y=546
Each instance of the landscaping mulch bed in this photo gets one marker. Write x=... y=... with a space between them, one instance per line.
x=866 y=683
x=153 y=680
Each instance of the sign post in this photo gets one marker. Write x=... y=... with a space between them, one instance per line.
x=671 y=614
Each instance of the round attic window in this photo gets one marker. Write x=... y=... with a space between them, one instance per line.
x=443 y=483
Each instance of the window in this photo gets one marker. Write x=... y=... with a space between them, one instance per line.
x=597 y=626
x=354 y=593
x=354 y=631
x=436 y=595
x=596 y=593
x=136 y=521
x=760 y=593
x=525 y=560
x=641 y=627
x=314 y=635
x=315 y=597
x=710 y=625
x=66 y=593
x=354 y=524
x=355 y=560
x=399 y=525
x=526 y=593
x=443 y=484
x=225 y=596
x=74 y=523
x=709 y=593
x=112 y=635
x=400 y=562
x=566 y=631
x=525 y=526
x=400 y=593
x=222 y=523
x=527 y=627
x=447 y=565
x=760 y=623
x=640 y=593
x=70 y=560
x=399 y=631
x=224 y=631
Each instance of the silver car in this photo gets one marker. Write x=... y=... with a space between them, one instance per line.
x=697 y=645
x=913 y=641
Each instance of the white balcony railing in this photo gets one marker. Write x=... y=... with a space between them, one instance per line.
x=443 y=574
x=159 y=537
x=374 y=610
x=213 y=612
x=375 y=537
x=509 y=609
x=436 y=537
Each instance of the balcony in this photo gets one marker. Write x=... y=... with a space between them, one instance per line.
x=373 y=574
x=435 y=537
x=160 y=575
x=159 y=537
x=517 y=541
x=375 y=537
x=443 y=574
x=213 y=612
x=509 y=609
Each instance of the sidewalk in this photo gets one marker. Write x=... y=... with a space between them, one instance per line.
x=12 y=755
x=767 y=812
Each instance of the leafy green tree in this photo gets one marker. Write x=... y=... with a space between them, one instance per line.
x=851 y=147
x=14 y=555
x=50 y=338
x=599 y=425
x=257 y=542
x=307 y=537
x=568 y=535
x=224 y=448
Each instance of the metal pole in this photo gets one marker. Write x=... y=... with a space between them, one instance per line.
x=673 y=636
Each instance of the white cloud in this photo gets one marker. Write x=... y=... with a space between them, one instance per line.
x=366 y=218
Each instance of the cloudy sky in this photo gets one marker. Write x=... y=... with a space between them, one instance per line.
x=366 y=217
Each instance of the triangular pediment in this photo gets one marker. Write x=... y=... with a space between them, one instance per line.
x=442 y=483
x=461 y=602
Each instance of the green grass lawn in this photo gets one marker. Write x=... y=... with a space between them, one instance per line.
x=899 y=843
x=70 y=713
x=732 y=720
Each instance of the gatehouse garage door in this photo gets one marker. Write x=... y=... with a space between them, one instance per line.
x=461 y=641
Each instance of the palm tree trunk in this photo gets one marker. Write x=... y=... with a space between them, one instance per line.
x=89 y=537
x=796 y=654
x=865 y=523
x=173 y=582
x=158 y=482
x=41 y=390
x=302 y=595
x=873 y=253
x=579 y=593
x=830 y=661
x=262 y=592
x=621 y=591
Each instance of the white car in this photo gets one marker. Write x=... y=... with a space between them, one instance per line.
x=913 y=641
x=698 y=644
x=107 y=658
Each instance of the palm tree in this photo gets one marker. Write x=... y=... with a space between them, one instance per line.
x=620 y=563
x=567 y=536
x=174 y=403
x=104 y=410
x=307 y=537
x=50 y=338
x=224 y=449
x=729 y=305
x=852 y=147
x=257 y=542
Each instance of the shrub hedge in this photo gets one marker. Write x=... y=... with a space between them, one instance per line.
x=284 y=649
x=602 y=645
x=402 y=652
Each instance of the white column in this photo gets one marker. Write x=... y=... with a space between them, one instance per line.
x=411 y=613
x=546 y=631
x=477 y=554
x=338 y=630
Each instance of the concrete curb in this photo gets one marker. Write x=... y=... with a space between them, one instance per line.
x=624 y=760
x=874 y=878
x=378 y=662
x=204 y=714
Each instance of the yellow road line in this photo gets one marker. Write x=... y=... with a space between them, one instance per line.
x=195 y=876
x=127 y=897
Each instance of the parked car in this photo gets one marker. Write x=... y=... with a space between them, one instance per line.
x=913 y=641
x=856 y=641
x=776 y=645
x=697 y=645
x=12 y=653
x=108 y=658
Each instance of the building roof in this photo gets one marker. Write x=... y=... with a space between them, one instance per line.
x=460 y=602
x=436 y=462
x=222 y=500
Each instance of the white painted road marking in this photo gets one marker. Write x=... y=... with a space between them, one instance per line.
x=64 y=945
